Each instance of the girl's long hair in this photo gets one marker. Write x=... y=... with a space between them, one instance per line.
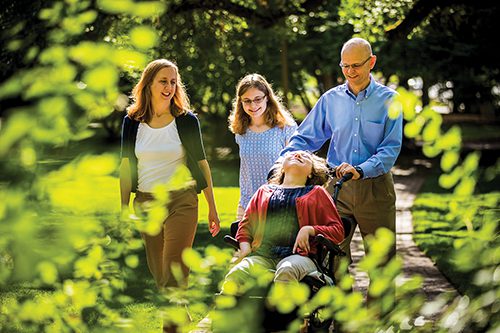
x=319 y=174
x=142 y=108
x=275 y=115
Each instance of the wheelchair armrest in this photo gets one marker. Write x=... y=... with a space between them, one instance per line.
x=329 y=245
x=234 y=228
x=232 y=242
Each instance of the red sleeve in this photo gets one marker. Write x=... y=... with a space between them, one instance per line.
x=326 y=219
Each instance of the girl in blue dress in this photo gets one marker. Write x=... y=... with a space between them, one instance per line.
x=262 y=128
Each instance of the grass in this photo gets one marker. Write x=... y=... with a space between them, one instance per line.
x=78 y=199
x=140 y=287
x=227 y=202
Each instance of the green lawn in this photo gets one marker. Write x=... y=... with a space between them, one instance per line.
x=76 y=207
x=227 y=202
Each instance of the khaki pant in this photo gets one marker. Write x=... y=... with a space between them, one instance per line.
x=289 y=269
x=372 y=203
x=179 y=228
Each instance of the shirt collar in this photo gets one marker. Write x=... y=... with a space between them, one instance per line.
x=363 y=93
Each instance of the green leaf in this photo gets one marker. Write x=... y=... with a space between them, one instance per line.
x=129 y=60
x=11 y=87
x=408 y=103
x=449 y=160
x=412 y=129
x=395 y=109
x=143 y=37
x=192 y=258
x=465 y=187
x=452 y=139
x=430 y=150
x=101 y=78
x=132 y=261
x=431 y=132
x=54 y=55
x=448 y=180
x=28 y=156
x=116 y=7
x=230 y=287
x=17 y=126
x=48 y=272
x=147 y=9
x=471 y=162
x=225 y=301
x=90 y=53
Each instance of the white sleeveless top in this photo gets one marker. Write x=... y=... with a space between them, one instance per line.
x=159 y=152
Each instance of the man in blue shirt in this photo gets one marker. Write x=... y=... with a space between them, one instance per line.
x=364 y=140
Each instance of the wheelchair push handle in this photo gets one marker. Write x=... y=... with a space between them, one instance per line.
x=329 y=245
x=339 y=183
x=230 y=240
x=344 y=178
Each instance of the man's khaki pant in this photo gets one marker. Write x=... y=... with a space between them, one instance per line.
x=372 y=203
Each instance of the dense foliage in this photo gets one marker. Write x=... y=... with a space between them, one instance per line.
x=68 y=261
x=295 y=44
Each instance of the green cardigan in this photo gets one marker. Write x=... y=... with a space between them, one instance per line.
x=188 y=127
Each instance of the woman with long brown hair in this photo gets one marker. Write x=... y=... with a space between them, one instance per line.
x=160 y=136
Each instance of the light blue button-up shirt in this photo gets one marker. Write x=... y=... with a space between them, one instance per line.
x=359 y=127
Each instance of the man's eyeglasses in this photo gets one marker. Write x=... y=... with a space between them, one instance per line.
x=354 y=66
x=256 y=100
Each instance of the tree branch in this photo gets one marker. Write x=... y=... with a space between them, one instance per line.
x=423 y=8
x=265 y=16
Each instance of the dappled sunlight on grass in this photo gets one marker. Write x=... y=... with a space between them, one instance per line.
x=226 y=199
x=445 y=224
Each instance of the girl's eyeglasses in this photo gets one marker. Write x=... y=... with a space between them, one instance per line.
x=256 y=100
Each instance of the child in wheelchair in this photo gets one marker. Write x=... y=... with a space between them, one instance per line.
x=282 y=218
x=279 y=232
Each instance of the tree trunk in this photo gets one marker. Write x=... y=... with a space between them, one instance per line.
x=425 y=93
x=327 y=80
x=284 y=70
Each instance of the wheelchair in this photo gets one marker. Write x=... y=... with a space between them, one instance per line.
x=326 y=257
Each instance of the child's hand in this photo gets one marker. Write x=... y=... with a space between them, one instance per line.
x=245 y=249
x=302 y=240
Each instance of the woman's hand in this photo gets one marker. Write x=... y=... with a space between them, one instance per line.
x=213 y=222
x=213 y=217
x=302 y=239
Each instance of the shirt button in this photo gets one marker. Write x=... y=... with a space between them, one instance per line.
x=355 y=151
x=357 y=103
x=356 y=118
x=355 y=134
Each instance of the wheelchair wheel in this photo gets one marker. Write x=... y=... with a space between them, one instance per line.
x=319 y=322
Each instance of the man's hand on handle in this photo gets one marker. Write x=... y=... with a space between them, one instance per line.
x=344 y=168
